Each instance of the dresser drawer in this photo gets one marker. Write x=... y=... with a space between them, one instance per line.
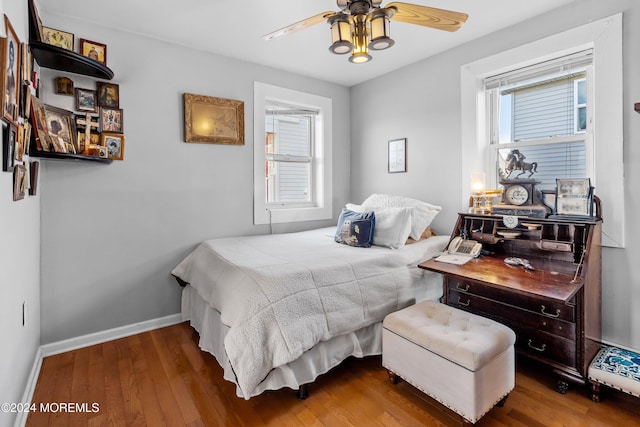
x=538 y=344
x=506 y=314
x=551 y=309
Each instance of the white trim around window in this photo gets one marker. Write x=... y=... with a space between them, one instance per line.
x=605 y=38
x=321 y=205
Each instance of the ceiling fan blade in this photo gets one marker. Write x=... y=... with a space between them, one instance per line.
x=305 y=23
x=439 y=19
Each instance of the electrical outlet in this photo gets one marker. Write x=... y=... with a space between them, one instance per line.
x=24 y=313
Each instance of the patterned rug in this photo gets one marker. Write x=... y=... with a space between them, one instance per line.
x=618 y=368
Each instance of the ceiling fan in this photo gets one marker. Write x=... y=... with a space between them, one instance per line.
x=361 y=25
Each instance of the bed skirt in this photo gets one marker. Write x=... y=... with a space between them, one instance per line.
x=316 y=361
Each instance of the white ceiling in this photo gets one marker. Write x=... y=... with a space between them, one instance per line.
x=235 y=28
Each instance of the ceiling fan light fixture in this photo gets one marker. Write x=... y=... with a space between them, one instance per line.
x=360 y=53
x=341 y=31
x=380 y=25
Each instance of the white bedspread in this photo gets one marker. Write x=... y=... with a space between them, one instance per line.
x=282 y=294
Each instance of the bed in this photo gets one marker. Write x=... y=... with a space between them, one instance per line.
x=279 y=310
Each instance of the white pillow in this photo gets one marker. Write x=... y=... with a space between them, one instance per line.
x=421 y=216
x=393 y=225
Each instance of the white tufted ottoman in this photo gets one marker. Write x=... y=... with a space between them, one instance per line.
x=464 y=361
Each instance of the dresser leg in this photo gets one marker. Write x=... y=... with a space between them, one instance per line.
x=562 y=387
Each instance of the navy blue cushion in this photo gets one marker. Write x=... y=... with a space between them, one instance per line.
x=355 y=228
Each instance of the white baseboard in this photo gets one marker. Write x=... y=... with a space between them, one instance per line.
x=108 y=335
x=30 y=387
x=85 y=341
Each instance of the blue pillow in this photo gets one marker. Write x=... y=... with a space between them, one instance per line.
x=355 y=228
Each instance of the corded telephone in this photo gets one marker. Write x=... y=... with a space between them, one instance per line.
x=459 y=246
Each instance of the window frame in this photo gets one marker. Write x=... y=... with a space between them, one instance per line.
x=291 y=158
x=604 y=36
x=496 y=143
x=577 y=105
x=320 y=207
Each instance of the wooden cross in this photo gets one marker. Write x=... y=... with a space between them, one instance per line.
x=88 y=124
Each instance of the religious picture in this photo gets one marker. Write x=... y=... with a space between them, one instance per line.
x=10 y=73
x=108 y=95
x=111 y=120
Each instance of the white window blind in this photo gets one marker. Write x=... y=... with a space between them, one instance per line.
x=535 y=110
x=289 y=154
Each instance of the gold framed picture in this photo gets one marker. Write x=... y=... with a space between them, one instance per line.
x=212 y=120
x=58 y=38
x=10 y=73
x=94 y=50
x=19 y=182
x=114 y=143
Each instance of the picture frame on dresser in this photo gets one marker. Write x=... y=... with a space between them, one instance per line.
x=10 y=73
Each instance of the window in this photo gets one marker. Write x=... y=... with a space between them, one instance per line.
x=596 y=97
x=289 y=146
x=541 y=111
x=292 y=155
x=580 y=102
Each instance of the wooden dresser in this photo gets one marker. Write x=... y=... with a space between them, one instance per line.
x=554 y=308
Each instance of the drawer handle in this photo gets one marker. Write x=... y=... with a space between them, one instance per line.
x=542 y=307
x=465 y=289
x=540 y=349
x=464 y=304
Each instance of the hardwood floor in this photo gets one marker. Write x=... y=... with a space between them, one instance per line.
x=162 y=378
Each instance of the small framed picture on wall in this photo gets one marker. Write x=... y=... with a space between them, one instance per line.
x=114 y=143
x=94 y=50
x=111 y=120
x=397 y=155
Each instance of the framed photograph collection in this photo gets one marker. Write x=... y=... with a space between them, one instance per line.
x=16 y=67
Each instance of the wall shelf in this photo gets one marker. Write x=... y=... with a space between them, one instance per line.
x=66 y=156
x=56 y=58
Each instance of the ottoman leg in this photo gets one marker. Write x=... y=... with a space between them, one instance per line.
x=393 y=377
x=595 y=391
x=502 y=401
x=466 y=422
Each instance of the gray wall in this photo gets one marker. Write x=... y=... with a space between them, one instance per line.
x=112 y=233
x=20 y=267
x=422 y=103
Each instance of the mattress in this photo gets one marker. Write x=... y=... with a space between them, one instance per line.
x=276 y=297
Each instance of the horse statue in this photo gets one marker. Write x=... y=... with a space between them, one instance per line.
x=515 y=161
